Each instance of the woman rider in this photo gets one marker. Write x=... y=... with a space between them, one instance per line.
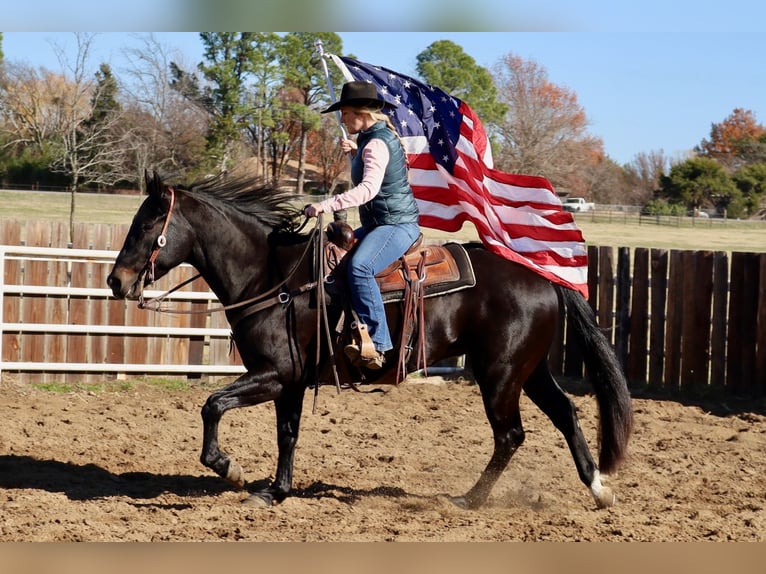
x=387 y=208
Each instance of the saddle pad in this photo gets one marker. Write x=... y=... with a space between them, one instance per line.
x=447 y=269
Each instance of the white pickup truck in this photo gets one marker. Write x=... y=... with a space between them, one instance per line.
x=577 y=204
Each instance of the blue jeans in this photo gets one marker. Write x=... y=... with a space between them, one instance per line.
x=376 y=250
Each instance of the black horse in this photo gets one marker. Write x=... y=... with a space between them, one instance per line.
x=245 y=243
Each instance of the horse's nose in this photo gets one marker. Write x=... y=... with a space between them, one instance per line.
x=114 y=283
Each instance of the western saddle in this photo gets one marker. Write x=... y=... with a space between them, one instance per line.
x=423 y=271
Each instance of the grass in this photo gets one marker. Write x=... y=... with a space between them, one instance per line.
x=116 y=386
x=100 y=387
x=733 y=236
x=54 y=206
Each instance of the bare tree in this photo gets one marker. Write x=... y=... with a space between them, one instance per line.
x=607 y=183
x=329 y=158
x=544 y=131
x=169 y=131
x=89 y=143
x=30 y=105
x=643 y=175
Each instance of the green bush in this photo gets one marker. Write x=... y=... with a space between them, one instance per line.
x=663 y=207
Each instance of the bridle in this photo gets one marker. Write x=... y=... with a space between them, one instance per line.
x=159 y=243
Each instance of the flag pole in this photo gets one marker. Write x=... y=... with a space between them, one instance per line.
x=338 y=215
x=320 y=50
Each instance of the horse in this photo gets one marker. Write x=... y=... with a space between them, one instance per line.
x=244 y=239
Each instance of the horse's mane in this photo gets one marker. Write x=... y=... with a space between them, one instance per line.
x=272 y=207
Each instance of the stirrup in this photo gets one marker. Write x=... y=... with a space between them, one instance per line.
x=363 y=341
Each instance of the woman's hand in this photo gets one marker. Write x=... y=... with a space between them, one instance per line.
x=348 y=146
x=312 y=210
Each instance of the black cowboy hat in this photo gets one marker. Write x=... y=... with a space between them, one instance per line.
x=358 y=95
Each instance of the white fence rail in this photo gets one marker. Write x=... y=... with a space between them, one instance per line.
x=38 y=321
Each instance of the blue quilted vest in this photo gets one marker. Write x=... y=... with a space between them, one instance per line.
x=395 y=202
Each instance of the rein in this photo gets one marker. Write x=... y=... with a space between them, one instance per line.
x=254 y=304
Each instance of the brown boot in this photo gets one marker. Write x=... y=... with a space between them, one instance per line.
x=354 y=353
x=373 y=363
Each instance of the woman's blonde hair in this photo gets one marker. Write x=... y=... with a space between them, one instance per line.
x=379 y=116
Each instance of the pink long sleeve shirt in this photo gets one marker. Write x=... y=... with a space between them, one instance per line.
x=375 y=158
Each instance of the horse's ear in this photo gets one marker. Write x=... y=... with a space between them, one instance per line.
x=153 y=183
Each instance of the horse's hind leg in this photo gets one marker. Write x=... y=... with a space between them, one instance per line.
x=543 y=390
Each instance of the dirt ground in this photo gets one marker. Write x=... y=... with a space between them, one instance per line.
x=122 y=465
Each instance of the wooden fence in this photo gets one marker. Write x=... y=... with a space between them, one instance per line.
x=685 y=320
x=63 y=322
x=679 y=320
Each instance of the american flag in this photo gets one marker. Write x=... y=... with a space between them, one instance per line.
x=518 y=217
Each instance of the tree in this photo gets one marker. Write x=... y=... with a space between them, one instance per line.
x=607 y=182
x=753 y=151
x=700 y=182
x=30 y=104
x=751 y=182
x=267 y=80
x=328 y=156
x=287 y=129
x=169 y=130
x=30 y=116
x=732 y=139
x=88 y=143
x=229 y=56
x=643 y=175
x=545 y=129
x=304 y=74
x=446 y=65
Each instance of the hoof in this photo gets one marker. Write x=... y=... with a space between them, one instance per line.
x=235 y=475
x=605 y=498
x=459 y=501
x=257 y=501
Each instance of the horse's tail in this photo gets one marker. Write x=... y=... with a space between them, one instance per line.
x=610 y=385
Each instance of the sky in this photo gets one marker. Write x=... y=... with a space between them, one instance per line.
x=650 y=76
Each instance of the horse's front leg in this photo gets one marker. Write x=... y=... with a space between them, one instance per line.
x=252 y=388
x=289 y=407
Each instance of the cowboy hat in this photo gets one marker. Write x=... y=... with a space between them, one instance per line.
x=358 y=95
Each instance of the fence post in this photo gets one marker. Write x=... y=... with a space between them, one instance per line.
x=606 y=292
x=659 y=294
x=622 y=308
x=639 y=318
x=718 y=320
x=760 y=358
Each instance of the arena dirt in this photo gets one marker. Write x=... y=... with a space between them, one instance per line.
x=379 y=465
